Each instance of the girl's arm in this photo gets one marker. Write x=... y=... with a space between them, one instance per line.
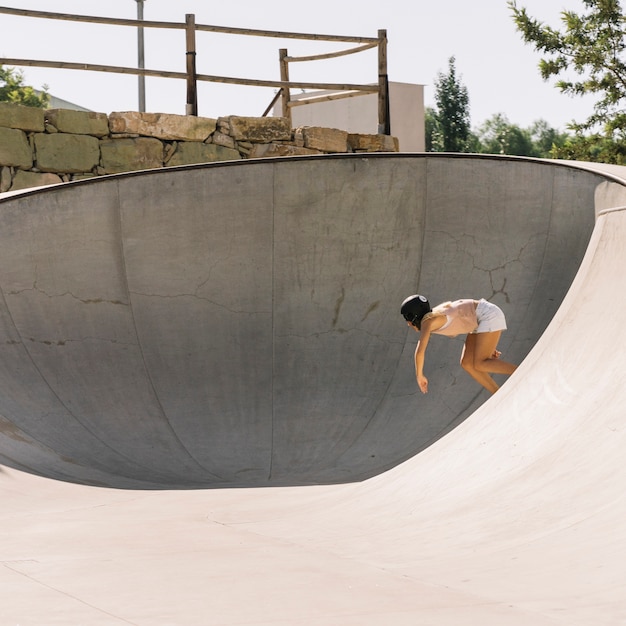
x=420 y=353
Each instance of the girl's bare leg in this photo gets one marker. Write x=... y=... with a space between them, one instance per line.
x=467 y=363
x=478 y=359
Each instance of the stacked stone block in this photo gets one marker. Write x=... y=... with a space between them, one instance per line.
x=42 y=147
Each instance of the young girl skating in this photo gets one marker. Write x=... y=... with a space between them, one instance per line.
x=482 y=321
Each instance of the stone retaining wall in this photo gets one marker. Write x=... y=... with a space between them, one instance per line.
x=43 y=147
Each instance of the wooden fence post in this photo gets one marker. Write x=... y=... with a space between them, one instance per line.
x=284 y=76
x=384 y=123
x=191 y=107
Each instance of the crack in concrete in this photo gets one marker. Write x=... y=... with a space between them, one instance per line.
x=34 y=288
x=492 y=271
x=195 y=296
x=63 y=342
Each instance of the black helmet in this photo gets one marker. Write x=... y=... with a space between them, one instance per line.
x=414 y=308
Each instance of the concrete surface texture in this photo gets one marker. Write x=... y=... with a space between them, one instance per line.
x=238 y=325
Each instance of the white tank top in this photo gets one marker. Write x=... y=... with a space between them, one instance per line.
x=461 y=318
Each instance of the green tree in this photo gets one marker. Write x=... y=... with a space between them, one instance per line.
x=448 y=125
x=546 y=139
x=12 y=89
x=587 y=56
x=596 y=148
x=499 y=136
x=431 y=130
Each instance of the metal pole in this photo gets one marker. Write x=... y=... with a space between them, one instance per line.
x=141 y=58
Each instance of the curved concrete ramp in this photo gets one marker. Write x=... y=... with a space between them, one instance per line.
x=515 y=518
x=237 y=324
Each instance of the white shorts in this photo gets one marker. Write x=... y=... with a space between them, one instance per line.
x=490 y=317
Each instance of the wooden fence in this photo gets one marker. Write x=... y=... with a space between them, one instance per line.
x=284 y=86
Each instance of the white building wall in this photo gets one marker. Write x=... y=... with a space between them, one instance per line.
x=359 y=114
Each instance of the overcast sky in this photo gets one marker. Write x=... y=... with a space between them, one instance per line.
x=498 y=69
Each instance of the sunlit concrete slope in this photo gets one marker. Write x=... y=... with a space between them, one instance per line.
x=514 y=518
x=237 y=324
x=518 y=515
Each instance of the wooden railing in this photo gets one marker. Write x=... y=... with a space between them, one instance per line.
x=284 y=86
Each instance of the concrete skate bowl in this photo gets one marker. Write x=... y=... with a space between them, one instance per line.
x=238 y=324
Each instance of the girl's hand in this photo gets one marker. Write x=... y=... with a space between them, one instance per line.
x=422 y=383
x=496 y=354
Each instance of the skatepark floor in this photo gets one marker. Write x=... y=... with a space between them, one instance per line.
x=386 y=507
